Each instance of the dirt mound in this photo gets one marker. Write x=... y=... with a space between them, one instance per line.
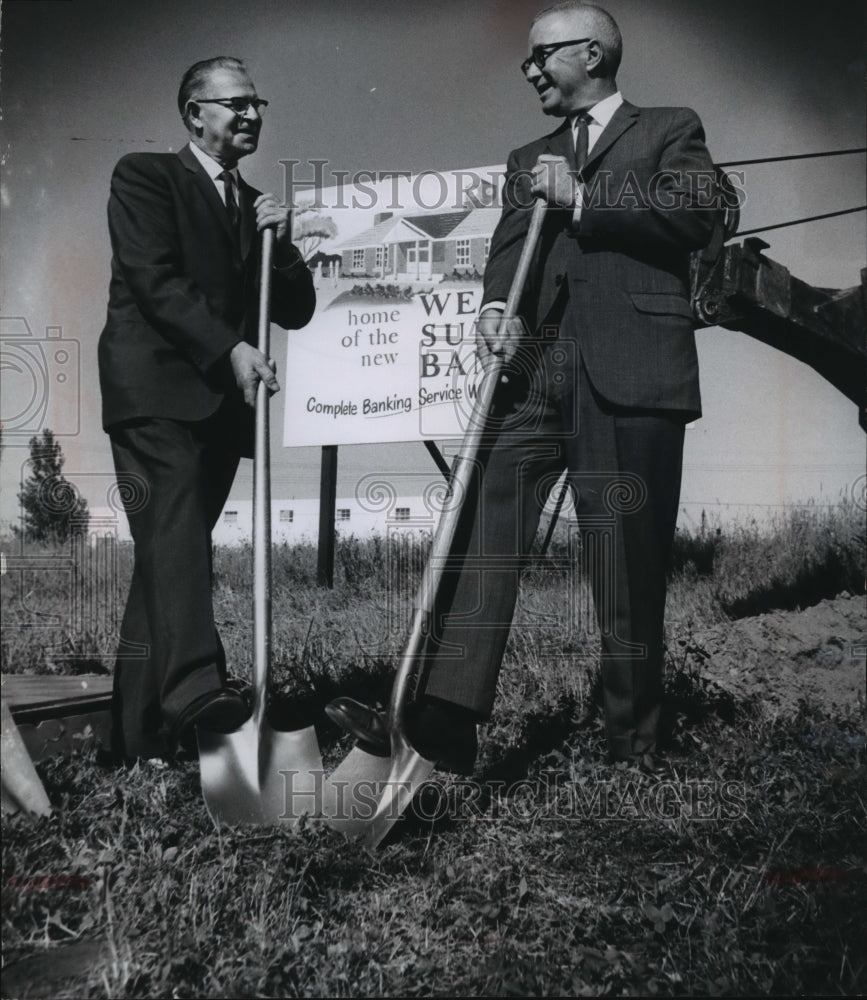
x=779 y=659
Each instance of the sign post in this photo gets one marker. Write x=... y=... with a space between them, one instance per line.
x=327 y=504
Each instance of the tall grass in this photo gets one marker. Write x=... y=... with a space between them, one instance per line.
x=63 y=614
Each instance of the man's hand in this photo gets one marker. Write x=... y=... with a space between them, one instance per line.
x=490 y=343
x=269 y=212
x=249 y=366
x=555 y=181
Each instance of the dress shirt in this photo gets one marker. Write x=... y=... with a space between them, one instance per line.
x=600 y=115
x=213 y=170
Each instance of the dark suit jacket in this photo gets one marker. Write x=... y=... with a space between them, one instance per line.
x=183 y=292
x=649 y=189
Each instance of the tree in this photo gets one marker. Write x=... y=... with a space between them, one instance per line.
x=52 y=510
x=311 y=228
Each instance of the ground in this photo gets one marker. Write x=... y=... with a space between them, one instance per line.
x=779 y=659
x=733 y=866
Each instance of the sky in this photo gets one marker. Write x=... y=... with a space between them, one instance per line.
x=418 y=86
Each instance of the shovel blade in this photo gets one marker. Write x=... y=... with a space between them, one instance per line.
x=368 y=794
x=22 y=787
x=258 y=776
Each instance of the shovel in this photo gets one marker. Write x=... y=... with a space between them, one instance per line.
x=367 y=794
x=257 y=775
x=22 y=787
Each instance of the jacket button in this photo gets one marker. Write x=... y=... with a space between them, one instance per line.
x=559 y=279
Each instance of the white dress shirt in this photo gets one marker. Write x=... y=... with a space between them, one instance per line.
x=213 y=170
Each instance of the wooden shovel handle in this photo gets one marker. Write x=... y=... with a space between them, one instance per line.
x=460 y=486
x=262 y=499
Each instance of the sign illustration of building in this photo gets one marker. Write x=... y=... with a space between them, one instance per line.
x=429 y=246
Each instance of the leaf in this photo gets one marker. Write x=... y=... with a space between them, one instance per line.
x=656 y=916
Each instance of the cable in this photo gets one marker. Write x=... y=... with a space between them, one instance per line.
x=796 y=156
x=798 y=222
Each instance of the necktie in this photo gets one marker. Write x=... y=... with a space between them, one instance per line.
x=232 y=209
x=582 y=139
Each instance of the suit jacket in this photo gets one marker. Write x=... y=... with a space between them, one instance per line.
x=624 y=272
x=184 y=292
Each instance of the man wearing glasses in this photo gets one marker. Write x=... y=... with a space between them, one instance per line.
x=603 y=378
x=178 y=372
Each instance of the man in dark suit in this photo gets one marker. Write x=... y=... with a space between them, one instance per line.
x=178 y=371
x=602 y=379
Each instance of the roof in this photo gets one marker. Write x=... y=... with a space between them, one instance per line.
x=438 y=225
x=479 y=222
x=373 y=236
x=434 y=225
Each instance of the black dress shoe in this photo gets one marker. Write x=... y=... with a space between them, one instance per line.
x=363 y=722
x=221 y=711
x=440 y=732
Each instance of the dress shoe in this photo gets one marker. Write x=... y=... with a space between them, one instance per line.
x=438 y=731
x=363 y=722
x=221 y=711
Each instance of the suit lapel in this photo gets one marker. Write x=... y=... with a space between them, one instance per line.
x=624 y=118
x=209 y=191
x=562 y=143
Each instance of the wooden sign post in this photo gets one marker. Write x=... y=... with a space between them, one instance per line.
x=327 y=504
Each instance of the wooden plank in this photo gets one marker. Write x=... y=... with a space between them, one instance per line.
x=47 y=691
x=65 y=734
x=54 y=714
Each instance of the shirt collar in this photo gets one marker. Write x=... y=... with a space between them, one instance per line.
x=603 y=112
x=212 y=168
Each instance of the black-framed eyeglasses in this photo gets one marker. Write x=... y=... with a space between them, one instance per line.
x=542 y=52
x=240 y=105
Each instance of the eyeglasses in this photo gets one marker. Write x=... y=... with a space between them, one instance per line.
x=542 y=52
x=240 y=105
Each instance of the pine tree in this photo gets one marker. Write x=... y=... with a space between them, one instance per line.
x=51 y=507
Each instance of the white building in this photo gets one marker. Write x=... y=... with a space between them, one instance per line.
x=297 y=520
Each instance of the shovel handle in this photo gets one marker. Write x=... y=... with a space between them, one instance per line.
x=262 y=499
x=459 y=488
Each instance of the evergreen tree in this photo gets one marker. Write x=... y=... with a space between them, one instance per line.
x=52 y=508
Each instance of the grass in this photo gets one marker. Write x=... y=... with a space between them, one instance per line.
x=749 y=881
x=63 y=617
x=733 y=867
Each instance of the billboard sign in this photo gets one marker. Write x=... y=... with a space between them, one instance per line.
x=398 y=261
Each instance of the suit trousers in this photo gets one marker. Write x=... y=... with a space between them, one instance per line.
x=175 y=477
x=624 y=471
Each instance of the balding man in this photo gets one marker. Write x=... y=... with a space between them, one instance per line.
x=179 y=371
x=603 y=381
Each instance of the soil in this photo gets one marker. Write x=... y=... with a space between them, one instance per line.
x=777 y=660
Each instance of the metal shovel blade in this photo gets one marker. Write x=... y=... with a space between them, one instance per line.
x=257 y=775
x=367 y=794
x=22 y=787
